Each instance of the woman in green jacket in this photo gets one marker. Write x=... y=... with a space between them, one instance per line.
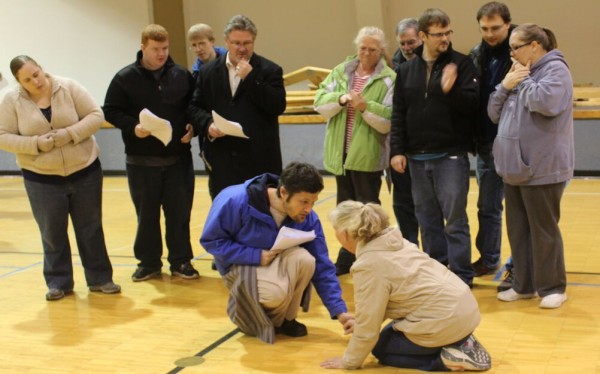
x=356 y=100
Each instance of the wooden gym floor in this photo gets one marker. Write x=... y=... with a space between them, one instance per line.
x=170 y=325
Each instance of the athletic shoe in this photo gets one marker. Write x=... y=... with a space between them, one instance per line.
x=507 y=282
x=553 y=301
x=142 y=274
x=56 y=294
x=108 y=288
x=469 y=355
x=186 y=271
x=512 y=295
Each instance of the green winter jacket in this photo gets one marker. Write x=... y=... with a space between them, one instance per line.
x=369 y=144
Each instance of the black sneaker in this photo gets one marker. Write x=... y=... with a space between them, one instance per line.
x=142 y=274
x=507 y=281
x=186 y=271
x=56 y=294
x=291 y=328
x=344 y=262
x=469 y=355
x=107 y=288
x=480 y=269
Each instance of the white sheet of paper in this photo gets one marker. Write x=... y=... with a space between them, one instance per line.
x=288 y=238
x=228 y=127
x=158 y=127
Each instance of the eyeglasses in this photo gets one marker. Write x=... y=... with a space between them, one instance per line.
x=494 y=28
x=237 y=44
x=516 y=48
x=439 y=35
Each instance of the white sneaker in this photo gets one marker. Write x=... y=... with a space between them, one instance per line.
x=553 y=301
x=512 y=295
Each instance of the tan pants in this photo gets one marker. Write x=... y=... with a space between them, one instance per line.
x=281 y=283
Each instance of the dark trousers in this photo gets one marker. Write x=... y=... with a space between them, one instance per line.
x=394 y=349
x=172 y=188
x=532 y=215
x=358 y=186
x=404 y=207
x=489 y=207
x=52 y=204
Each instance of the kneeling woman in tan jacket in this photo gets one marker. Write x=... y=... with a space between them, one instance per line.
x=433 y=312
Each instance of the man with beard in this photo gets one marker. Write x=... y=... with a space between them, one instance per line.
x=266 y=286
x=407 y=35
x=492 y=60
x=435 y=104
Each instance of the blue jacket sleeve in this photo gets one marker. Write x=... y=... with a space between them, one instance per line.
x=324 y=279
x=220 y=235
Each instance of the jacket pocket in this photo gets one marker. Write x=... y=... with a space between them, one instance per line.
x=509 y=161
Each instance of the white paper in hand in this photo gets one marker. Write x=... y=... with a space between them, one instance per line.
x=228 y=127
x=288 y=238
x=158 y=127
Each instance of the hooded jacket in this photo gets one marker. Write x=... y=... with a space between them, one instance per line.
x=73 y=109
x=535 y=143
x=239 y=226
x=394 y=279
x=369 y=144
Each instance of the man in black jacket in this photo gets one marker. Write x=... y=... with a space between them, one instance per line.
x=404 y=208
x=243 y=87
x=492 y=60
x=159 y=175
x=435 y=106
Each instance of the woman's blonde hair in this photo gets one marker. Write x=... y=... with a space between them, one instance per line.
x=371 y=32
x=362 y=222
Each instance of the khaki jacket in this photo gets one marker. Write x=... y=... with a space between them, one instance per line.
x=73 y=108
x=394 y=279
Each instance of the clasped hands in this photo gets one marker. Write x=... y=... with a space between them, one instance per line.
x=355 y=100
x=53 y=139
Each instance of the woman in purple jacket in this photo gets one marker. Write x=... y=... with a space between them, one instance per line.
x=534 y=155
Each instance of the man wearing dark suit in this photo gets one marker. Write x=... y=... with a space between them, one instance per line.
x=243 y=87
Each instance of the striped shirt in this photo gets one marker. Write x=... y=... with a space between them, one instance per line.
x=358 y=83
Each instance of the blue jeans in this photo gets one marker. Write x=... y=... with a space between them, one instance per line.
x=394 y=349
x=52 y=204
x=440 y=189
x=489 y=207
x=404 y=207
x=172 y=188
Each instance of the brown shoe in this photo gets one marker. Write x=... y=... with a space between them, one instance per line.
x=480 y=269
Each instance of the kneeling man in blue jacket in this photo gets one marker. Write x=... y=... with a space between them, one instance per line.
x=267 y=287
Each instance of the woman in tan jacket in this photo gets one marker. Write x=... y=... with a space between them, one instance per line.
x=49 y=122
x=433 y=312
